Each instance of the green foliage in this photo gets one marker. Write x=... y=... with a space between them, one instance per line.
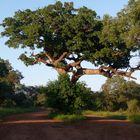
x=6 y=91
x=112 y=115
x=8 y=74
x=60 y=28
x=10 y=92
x=21 y=100
x=9 y=79
x=117 y=92
x=62 y=95
x=55 y=28
x=4 y=68
x=8 y=103
x=129 y=21
x=133 y=106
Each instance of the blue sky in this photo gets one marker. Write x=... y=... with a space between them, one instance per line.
x=40 y=74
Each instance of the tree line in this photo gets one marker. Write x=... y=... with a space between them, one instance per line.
x=62 y=96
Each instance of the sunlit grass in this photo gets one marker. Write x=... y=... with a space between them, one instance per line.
x=70 y=118
x=135 y=118
x=112 y=115
x=67 y=117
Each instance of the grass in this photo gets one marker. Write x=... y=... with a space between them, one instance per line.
x=70 y=118
x=112 y=115
x=67 y=117
x=135 y=118
x=10 y=111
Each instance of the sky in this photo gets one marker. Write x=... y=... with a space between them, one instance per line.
x=40 y=74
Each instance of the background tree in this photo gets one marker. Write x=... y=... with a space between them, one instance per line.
x=65 y=37
x=117 y=92
x=9 y=79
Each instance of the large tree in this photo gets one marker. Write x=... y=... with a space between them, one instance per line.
x=64 y=37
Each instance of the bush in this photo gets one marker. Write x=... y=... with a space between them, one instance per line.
x=66 y=97
x=133 y=106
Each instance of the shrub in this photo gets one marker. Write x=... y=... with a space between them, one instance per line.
x=66 y=97
x=133 y=106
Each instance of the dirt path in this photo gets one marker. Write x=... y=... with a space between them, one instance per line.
x=36 y=126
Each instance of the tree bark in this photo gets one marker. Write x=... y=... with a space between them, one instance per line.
x=78 y=71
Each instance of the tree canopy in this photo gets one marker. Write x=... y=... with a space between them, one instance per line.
x=64 y=37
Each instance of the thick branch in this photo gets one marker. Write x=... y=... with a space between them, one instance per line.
x=126 y=74
x=76 y=64
x=45 y=62
x=60 y=58
x=60 y=70
x=106 y=71
x=103 y=70
x=49 y=57
x=136 y=68
x=119 y=72
x=85 y=71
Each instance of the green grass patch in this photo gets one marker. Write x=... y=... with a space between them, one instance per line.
x=10 y=111
x=135 y=118
x=70 y=118
x=112 y=115
x=66 y=117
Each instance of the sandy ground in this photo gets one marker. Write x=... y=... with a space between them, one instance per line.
x=36 y=126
